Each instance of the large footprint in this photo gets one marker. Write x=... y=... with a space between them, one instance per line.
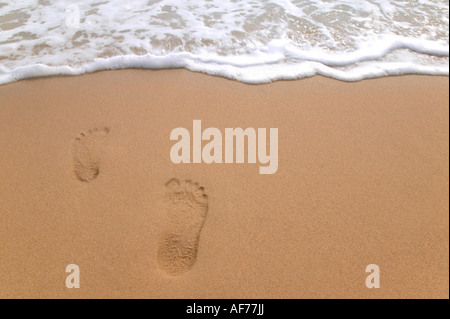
x=86 y=161
x=186 y=207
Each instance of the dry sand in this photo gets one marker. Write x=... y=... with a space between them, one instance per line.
x=362 y=179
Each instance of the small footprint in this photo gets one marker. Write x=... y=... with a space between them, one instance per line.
x=186 y=206
x=85 y=156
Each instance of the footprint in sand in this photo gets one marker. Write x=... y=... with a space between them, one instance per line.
x=186 y=208
x=85 y=156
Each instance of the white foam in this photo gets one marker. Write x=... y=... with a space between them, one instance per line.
x=253 y=41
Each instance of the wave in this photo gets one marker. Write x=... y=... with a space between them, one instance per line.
x=253 y=42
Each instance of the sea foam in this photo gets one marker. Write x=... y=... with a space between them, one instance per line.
x=253 y=41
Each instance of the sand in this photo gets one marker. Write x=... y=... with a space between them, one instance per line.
x=86 y=179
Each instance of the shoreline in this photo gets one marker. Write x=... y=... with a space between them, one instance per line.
x=39 y=77
x=362 y=179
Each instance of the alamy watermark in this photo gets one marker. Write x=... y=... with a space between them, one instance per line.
x=373 y=279
x=92 y=21
x=73 y=17
x=373 y=20
x=212 y=152
x=73 y=279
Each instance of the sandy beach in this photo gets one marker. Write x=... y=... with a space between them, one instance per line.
x=86 y=179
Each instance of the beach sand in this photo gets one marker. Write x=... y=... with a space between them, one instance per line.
x=362 y=179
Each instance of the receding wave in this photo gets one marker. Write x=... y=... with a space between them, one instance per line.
x=251 y=41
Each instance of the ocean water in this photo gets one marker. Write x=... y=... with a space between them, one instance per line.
x=255 y=41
